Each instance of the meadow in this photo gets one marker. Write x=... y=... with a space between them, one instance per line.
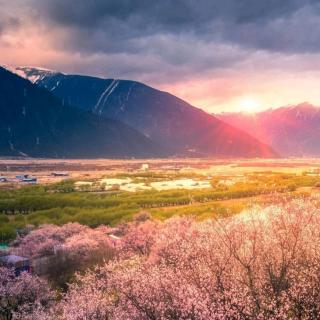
x=92 y=205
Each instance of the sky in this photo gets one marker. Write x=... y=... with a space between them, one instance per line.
x=219 y=55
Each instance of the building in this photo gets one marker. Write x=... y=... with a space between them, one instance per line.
x=20 y=177
x=60 y=174
x=20 y=264
x=3 y=247
x=29 y=180
x=115 y=240
x=144 y=167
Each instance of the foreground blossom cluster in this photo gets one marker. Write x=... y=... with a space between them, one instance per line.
x=21 y=297
x=261 y=264
x=72 y=237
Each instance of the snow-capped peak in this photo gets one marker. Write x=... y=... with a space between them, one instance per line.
x=33 y=74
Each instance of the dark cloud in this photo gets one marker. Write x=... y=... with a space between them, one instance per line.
x=8 y=22
x=127 y=26
x=173 y=38
x=167 y=14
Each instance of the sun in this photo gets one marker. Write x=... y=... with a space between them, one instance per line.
x=250 y=104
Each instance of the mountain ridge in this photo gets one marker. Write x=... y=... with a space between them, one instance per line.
x=164 y=118
x=35 y=123
x=291 y=130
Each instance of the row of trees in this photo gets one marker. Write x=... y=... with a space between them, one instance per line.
x=39 y=205
x=27 y=200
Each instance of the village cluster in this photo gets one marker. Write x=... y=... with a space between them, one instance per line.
x=26 y=178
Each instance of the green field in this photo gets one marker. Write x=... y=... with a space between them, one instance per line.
x=61 y=203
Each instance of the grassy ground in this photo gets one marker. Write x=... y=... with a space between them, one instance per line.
x=60 y=203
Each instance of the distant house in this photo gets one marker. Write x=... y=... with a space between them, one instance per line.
x=30 y=180
x=3 y=248
x=20 y=264
x=60 y=174
x=25 y=178
x=114 y=239
x=144 y=167
x=20 y=177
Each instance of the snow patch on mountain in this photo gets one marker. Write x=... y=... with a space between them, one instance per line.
x=33 y=74
x=105 y=95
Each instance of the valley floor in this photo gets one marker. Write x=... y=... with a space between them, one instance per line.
x=109 y=192
x=97 y=168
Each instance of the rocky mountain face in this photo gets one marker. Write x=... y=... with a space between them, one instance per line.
x=164 y=118
x=34 y=122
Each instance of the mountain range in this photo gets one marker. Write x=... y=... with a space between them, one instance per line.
x=290 y=130
x=35 y=123
x=167 y=120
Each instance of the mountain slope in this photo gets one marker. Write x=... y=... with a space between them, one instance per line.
x=161 y=116
x=291 y=131
x=33 y=122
